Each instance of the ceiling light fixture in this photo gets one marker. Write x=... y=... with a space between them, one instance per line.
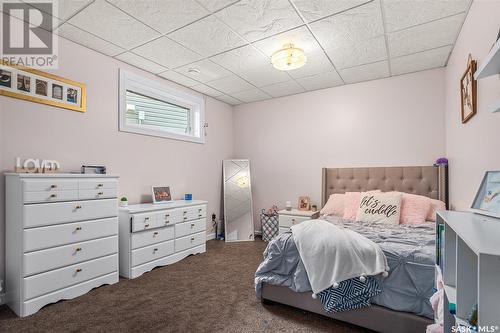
x=288 y=58
x=195 y=71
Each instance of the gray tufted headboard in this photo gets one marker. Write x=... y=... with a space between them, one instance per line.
x=430 y=181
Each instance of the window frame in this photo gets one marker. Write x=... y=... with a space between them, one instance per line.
x=165 y=93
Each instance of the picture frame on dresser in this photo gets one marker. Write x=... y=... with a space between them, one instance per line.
x=487 y=199
x=61 y=237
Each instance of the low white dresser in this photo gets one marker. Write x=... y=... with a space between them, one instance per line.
x=61 y=237
x=154 y=235
x=288 y=218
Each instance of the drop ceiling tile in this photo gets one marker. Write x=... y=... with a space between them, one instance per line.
x=230 y=84
x=204 y=89
x=367 y=72
x=315 y=9
x=317 y=63
x=241 y=59
x=265 y=75
x=299 y=37
x=256 y=19
x=140 y=62
x=229 y=100
x=88 y=40
x=167 y=53
x=420 y=61
x=283 y=89
x=208 y=71
x=354 y=37
x=207 y=37
x=402 y=14
x=178 y=78
x=320 y=81
x=252 y=95
x=164 y=16
x=65 y=8
x=426 y=36
x=214 y=5
x=113 y=25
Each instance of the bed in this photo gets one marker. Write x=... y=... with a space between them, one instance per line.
x=382 y=315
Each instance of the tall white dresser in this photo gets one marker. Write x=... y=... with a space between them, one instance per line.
x=61 y=237
x=154 y=235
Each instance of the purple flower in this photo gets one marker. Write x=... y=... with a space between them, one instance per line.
x=442 y=160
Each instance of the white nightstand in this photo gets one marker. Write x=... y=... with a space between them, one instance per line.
x=287 y=218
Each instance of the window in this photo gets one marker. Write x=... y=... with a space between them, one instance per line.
x=150 y=108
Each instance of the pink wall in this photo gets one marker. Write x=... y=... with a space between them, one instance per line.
x=473 y=147
x=35 y=130
x=394 y=121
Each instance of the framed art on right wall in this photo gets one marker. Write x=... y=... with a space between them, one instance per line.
x=468 y=91
x=487 y=200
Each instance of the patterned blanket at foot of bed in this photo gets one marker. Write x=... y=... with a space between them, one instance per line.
x=350 y=295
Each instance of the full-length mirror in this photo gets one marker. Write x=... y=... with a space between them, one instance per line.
x=238 y=217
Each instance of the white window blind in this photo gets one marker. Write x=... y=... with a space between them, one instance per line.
x=147 y=111
x=154 y=108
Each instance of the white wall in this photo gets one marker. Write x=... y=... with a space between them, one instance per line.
x=35 y=130
x=473 y=147
x=395 y=121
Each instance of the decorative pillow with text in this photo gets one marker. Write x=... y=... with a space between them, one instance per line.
x=379 y=207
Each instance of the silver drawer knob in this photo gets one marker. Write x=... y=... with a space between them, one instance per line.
x=199 y=210
x=78 y=249
x=78 y=228
x=199 y=215
x=185 y=218
x=100 y=185
x=78 y=270
x=192 y=225
x=100 y=193
x=155 y=233
x=167 y=222
x=155 y=249
x=184 y=212
x=167 y=215
x=78 y=207
x=192 y=239
x=53 y=186
x=146 y=226
x=53 y=195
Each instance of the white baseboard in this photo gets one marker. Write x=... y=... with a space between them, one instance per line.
x=211 y=236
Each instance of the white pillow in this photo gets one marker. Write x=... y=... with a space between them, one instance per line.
x=379 y=207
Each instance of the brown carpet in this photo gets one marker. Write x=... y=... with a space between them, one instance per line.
x=211 y=292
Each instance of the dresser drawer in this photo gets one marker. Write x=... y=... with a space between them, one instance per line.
x=45 y=260
x=158 y=235
x=44 y=283
x=97 y=194
x=184 y=243
x=190 y=227
x=145 y=221
x=193 y=213
x=53 y=184
x=62 y=234
x=50 y=196
x=97 y=184
x=169 y=217
x=61 y=212
x=289 y=220
x=152 y=252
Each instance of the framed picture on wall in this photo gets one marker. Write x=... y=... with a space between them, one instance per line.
x=40 y=87
x=487 y=200
x=468 y=91
x=161 y=194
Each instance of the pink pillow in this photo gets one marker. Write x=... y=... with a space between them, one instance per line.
x=414 y=209
x=351 y=204
x=435 y=205
x=334 y=205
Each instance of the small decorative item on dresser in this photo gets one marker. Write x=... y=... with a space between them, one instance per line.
x=288 y=205
x=161 y=194
x=314 y=207
x=270 y=223
x=32 y=165
x=188 y=196
x=304 y=203
x=123 y=202
x=93 y=169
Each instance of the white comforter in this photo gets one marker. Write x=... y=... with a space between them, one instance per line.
x=332 y=255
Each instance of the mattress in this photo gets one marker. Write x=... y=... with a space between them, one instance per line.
x=410 y=252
